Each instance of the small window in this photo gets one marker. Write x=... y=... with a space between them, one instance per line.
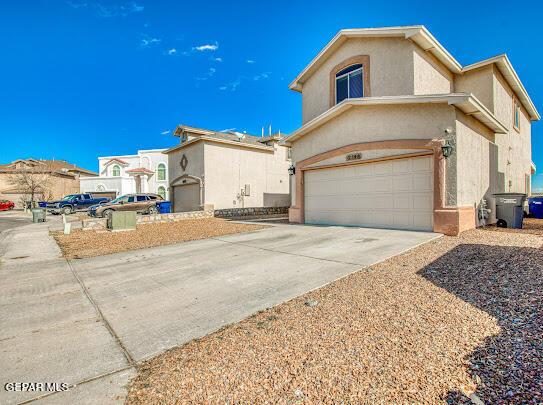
x=516 y=115
x=130 y=199
x=86 y=196
x=162 y=192
x=289 y=154
x=141 y=198
x=349 y=83
x=116 y=171
x=161 y=172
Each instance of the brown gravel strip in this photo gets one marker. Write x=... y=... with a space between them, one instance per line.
x=80 y=244
x=456 y=316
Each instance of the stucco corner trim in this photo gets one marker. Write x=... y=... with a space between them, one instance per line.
x=454 y=220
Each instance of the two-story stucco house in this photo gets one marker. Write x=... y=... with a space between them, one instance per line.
x=397 y=134
x=227 y=170
x=144 y=172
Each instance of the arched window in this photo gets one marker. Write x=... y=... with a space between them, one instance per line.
x=116 y=171
x=100 y=187
x=162 y=192
x=161 y=171
x=349 y=83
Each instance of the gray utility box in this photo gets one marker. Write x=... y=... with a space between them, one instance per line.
x=38 y=215
x=510 y=209
x=122 y=221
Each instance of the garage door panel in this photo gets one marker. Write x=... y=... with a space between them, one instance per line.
x=394 y=194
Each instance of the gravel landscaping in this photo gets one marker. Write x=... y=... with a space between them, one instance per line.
x=81 y=244
x=456 y=317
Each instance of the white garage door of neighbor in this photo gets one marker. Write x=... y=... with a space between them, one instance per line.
x=395 y=194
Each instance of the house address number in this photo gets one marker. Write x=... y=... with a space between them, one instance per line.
x=354 y=156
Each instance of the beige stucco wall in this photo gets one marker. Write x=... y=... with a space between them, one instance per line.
x=479 y=82
x=376 y=123
x=515 y=147
x=381 y=123
x=391 y=72
x=195 y=165
x=429 y=75
x=228 y=169
x=477 y=165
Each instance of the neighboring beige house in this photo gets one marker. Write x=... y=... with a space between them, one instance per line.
x=379 y=106
x=227 y=170
x=55 y=179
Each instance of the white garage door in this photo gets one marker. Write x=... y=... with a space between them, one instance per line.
x=394 y=194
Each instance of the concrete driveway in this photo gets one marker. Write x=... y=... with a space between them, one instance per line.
x=89 y=321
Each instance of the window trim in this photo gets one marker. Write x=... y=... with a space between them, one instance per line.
x=348 y=75
x=113 y=171
x=158 y=192
x=363 y=60
x=158 y=171
x=516 y=107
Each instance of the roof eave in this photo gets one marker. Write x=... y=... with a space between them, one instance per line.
x=416 y=33
x=465 y=102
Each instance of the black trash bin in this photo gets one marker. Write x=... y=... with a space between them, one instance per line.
x=510 y=209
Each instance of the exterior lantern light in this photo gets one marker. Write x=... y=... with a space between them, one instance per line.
x=291 y=170
x=447 y=149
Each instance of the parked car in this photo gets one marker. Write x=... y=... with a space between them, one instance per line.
x=141 y=203
x=74 y=202
x=6 y=205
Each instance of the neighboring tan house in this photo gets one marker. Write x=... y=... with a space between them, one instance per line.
x=380 y=109
x=145 y=172
x=227 y=170
x=53 y=180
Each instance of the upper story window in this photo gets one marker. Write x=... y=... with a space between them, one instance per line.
x=116 y=171
x=161 y=171
x=349 y=83
x=516 y=114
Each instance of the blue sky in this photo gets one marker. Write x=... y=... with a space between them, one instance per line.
x=82 y=78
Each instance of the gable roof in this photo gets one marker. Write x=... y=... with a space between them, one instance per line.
x=52 y=166
x=227 y=137
x=506 y=69
x=417 y=33
x=424 y=39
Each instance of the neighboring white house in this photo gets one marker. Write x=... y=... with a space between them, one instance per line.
x=145 y=172
x=227 y=170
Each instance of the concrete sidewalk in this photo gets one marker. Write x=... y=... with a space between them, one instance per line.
x=50 y=331
x=88 y=322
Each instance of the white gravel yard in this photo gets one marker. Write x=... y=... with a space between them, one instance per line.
x=454 y=317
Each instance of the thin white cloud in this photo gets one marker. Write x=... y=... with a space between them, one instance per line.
x=171 y=51
x=228 y=129
x=262 y=76
x=206 y=47
x=149 y=41
x=209 y=73
x=165 y=132
x=216 y=59
x=232 y=86
x=250 y=61
x=108 y=11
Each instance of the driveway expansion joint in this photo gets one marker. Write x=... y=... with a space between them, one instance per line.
x=126 y=353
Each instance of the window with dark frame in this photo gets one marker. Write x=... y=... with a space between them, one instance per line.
x=349 y=82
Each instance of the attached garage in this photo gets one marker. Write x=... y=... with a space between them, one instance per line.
x=186 y=197
x=394 y=194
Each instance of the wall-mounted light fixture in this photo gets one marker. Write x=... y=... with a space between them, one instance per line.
x=447 y=149
x=291 y=170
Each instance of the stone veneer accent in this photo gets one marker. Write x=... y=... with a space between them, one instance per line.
x=254 y=212
x=101 y=223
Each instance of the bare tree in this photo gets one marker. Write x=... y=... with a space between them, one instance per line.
x=33 y=184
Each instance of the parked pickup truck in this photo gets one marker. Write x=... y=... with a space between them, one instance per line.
x=74 y=202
